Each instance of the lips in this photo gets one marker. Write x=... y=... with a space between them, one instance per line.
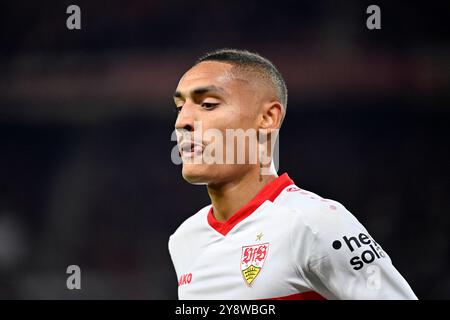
x=189 y=149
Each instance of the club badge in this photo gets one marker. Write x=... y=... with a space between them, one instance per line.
x=252 y=261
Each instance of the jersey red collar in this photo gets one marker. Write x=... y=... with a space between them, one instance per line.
x=269 y=192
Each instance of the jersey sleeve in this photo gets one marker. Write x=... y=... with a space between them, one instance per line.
x=340 y=260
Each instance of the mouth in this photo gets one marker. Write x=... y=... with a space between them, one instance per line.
x=190 y=149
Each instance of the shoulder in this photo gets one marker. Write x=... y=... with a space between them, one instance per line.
x=191 y=226
x=325 y=229
x=319 y=225
x=185 y=241
x=316 y=213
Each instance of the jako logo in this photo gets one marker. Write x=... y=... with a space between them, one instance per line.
x=185 y=279
x=373 y=251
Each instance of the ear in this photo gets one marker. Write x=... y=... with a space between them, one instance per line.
x=271 y=116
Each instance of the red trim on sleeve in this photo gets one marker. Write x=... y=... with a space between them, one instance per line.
x=309 y=295
x=269 y=192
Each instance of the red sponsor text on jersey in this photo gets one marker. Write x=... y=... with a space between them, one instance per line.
x=185 y=279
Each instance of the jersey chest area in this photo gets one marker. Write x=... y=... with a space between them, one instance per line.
x=253 y=261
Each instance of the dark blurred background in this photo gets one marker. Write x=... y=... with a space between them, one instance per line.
x=86 y=118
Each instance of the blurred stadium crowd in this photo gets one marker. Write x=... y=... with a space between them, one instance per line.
x=86 y=119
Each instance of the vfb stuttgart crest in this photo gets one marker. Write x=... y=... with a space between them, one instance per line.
x=252 y=260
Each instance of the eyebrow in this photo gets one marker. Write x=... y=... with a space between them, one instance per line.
x=200 y=91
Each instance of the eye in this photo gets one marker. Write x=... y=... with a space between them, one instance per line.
x=209 y=105
x=177 y=109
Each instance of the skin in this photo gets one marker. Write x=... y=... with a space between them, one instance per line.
x=218 y=96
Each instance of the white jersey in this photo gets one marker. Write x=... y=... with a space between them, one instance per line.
x=286 y=243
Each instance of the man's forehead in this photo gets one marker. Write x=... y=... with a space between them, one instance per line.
x=213 y=70
x=209 y=73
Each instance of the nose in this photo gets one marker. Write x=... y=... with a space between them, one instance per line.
x=185 y=119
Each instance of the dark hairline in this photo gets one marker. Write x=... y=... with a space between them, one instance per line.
x=244 y=58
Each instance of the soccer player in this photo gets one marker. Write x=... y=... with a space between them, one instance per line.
x=262 y=236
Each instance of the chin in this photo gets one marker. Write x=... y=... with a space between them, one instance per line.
x=197 y=173
x=212 y=174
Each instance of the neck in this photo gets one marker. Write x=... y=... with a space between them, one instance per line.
x=227 y=198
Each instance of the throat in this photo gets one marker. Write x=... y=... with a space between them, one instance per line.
x=229 y=197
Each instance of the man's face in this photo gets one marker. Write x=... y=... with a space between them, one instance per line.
x=211 y=96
